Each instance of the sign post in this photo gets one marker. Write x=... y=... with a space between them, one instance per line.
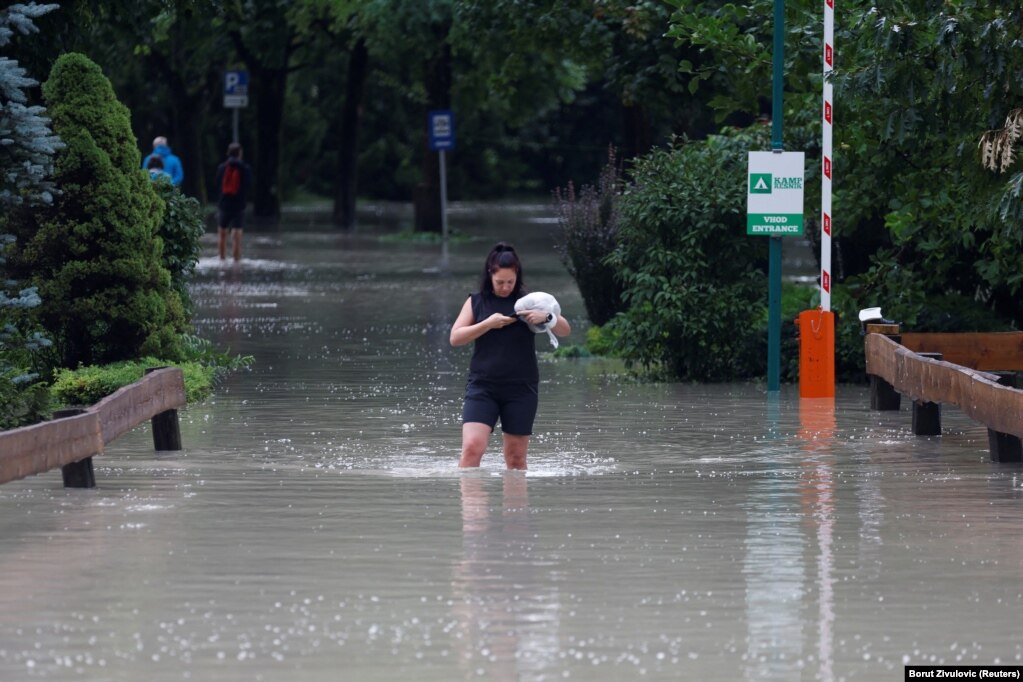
x=774 y=208
x=774 y=195
x=442 y=138
x=236 y=96
x=774 y=243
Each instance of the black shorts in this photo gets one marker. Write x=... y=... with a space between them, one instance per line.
x=229 y=218
x=515 y=404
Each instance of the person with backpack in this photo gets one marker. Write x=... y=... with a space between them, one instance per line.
x=234 y=180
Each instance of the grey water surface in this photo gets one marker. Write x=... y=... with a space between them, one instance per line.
x=315 y=527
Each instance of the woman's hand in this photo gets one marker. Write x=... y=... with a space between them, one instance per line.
x=464 y=331
x=497 y=320
x=536 y=317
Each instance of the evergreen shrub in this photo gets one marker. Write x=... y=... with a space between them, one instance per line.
x=95 y=254
x=180 y=230
x=27 y=146
x=23 y=396
x=693 y=281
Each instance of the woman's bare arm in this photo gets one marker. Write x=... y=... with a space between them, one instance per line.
x=463 y=331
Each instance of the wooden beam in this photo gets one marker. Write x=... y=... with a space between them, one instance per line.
x=58 y=443
x=129 y=406
x=977 y=394
x=976 y=350
x=49 y=445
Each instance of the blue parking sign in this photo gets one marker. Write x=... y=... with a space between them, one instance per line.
x=442 y=130
x=236 y=89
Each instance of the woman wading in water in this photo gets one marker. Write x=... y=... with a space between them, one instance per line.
x=503 y=374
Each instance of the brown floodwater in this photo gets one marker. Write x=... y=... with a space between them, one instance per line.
x=315 y=526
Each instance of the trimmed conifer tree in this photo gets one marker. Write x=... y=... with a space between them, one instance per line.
x=94 y=255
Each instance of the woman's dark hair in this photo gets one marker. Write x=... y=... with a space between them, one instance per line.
x=502 y=256
x=155 y=162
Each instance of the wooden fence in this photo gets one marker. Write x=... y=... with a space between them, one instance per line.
x=71 y=441
x=1000 y=351
x=930 y=380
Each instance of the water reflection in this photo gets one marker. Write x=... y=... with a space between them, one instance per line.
x=787 y=517
x=775 y=580
x=817 y=418
x=507 y=618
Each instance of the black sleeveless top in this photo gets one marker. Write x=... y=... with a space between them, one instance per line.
x=505 y=355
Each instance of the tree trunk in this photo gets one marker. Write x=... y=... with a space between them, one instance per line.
x=269 y=85
x=437 y=79
x=638 y=138
x=188 y=115
x=348 y=151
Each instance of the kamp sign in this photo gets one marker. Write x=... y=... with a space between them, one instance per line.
x=774 y=198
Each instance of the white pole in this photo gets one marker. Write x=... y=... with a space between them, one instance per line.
x=826 y=130
x=443 y=209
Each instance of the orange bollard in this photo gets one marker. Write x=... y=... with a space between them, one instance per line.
x=816 y=354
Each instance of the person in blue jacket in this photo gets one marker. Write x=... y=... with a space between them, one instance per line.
x=171 y=163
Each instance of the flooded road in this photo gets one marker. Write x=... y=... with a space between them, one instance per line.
x=315 y=527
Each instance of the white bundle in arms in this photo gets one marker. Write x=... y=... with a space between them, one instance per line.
x=539 y=300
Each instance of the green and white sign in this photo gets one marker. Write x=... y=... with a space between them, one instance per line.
x=774 y=194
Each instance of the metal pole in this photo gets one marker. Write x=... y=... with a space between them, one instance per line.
x=234 y=124
x=774 y=255
x=826 y=130
x=443 y=209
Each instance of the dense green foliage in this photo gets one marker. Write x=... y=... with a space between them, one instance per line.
x=589 y=235
x=340 y=89
x=94 y=254
x=27 y=146
x=91 y=383
x=23 y=398
x=692 y=286
x=180 y=230
x=932 y=205
x=918 y=220
x=569 y=78
x=202 y=367
x=26 y=152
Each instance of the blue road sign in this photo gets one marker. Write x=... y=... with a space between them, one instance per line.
x=236 y=89
x=442 y=130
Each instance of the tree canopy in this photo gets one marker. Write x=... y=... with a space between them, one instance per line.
x=927 y=95
x=917 y=84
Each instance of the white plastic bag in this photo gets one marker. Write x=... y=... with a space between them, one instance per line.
x=539 y=300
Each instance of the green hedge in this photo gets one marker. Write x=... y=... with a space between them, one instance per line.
x=90 y=384
x=693 y=282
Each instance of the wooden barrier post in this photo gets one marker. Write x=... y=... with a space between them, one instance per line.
x=1006 y=447
x=883 y=396
x=78 y=474
x=166 y=428
x=927 y=415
